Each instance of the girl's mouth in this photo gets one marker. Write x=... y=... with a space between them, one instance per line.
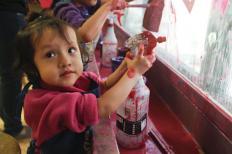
x=66 y=73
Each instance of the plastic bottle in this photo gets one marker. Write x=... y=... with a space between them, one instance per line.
x=109 y=46
x=131 y=123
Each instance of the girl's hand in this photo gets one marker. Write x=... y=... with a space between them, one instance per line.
x=140 y=63
x=118 y=4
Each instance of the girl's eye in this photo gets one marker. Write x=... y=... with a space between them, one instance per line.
x=72 y=50
x=50 y=54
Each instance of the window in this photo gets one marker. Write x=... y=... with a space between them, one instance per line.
x=132 y=20
x=199 y=43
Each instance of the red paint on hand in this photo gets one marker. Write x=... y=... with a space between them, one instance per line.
x=129 y=55
x=131 y=72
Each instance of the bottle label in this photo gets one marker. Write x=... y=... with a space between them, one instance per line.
x=131 y=127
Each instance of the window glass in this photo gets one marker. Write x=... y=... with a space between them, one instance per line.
x=132 y=20
x=199 y=43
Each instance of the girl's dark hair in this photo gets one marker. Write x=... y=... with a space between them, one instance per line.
x=29 y=36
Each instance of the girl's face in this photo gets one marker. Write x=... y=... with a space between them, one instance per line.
x=58 y=61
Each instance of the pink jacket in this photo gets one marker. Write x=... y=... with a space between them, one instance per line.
x=49 y=111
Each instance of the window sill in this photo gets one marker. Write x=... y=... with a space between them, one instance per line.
x=206 y=122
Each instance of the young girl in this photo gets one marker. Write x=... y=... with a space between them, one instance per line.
x=64 y=102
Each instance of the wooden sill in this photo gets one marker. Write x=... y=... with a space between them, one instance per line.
x=207 y=123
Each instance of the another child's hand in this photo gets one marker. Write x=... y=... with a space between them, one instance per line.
x=118 y=4
x=140 y=63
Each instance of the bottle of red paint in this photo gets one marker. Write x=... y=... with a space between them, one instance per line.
x=132 y=115
x=131 y=123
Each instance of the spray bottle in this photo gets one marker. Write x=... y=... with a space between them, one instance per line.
x=131 y=121
x=110 y=44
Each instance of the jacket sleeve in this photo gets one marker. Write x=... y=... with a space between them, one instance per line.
x=82 y=112
x=56 y=111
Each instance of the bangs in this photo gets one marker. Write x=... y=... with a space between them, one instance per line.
x=40 y=30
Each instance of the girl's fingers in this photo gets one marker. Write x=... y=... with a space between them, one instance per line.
x=123 y=4
x=151 y=58
x=131 y=72
x=141 y=49
x=129 y=55
x=126 y=4
x=119 y=4
x=149 y=65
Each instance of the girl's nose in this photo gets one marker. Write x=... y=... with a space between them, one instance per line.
x=64 y=61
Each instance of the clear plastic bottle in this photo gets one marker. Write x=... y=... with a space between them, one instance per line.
x=131 y=123
x=109 y=46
